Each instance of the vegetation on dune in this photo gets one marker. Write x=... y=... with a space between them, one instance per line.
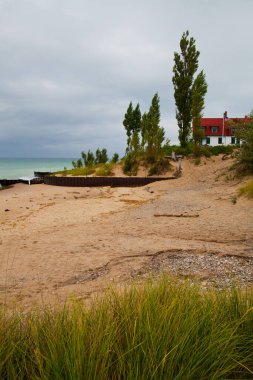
x=189 y=92
x=145 y=139
x=92 y=164
x=168 y=330
x=202 y=150
x=247 y=190
x=244 y=133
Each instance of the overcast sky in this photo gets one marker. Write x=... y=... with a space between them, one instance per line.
x=68 y=69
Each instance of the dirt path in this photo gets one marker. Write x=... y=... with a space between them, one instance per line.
x=55 y=242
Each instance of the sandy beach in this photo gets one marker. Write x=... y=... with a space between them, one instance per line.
x=56 y=242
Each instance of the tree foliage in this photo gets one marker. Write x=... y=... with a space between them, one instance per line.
x=154 y=134
x=115 y=158
x=185 y=67
x=199 y=90
x=132 y=123
x=244 y=132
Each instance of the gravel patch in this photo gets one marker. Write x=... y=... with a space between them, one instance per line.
x=210 y=269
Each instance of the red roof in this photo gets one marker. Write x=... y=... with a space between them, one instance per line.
x=221 y=126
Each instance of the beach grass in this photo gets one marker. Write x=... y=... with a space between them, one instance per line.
x=160 y=330
x=102 y=170
x=247 y=190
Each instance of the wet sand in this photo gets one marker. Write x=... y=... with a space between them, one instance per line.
x=57 y=242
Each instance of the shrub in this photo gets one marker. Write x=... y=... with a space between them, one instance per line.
x=104 y=170
x=130 y=165
x=159 y=167
x=246 y=152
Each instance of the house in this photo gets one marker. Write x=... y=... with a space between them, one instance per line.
x=218 y=131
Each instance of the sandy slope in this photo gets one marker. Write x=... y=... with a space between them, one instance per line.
x=55 y=241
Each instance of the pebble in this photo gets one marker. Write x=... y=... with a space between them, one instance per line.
x=210 y=269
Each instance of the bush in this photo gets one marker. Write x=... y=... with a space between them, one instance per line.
x=130 y=165
x=159 y=167
x=246 y=152
x=221 y=149
x=104 y=170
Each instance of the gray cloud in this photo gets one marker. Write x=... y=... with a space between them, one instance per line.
x=69 y=69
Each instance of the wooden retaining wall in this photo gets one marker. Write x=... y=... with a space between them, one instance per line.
x=102 y=181
x=8 y=182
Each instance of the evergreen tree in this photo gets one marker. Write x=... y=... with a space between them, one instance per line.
x=199 y=90
x=186 y=65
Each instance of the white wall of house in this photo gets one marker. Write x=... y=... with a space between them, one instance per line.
x=214 y=140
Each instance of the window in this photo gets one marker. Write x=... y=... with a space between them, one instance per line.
x=238 y=141
x=232 y=140
x=214 y=129
x=208 y=140
x=219 y=140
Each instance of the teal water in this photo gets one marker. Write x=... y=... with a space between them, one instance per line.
x=14 y=168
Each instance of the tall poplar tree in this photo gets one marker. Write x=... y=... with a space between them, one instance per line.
x=128 y=122
x=185 y=66
x=153 y=134
x=199 y=90
x=132 y=123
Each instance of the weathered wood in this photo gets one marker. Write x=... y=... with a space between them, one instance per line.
x=178 y=215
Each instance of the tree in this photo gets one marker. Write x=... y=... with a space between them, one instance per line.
x=135 y=143
x=79 y=163
x=128 y=122
x=98 y=156
x=144 y=128
x=136 y=119
x=132 y=123
x=84 y=157
x=153 y=134
x=104 y=157
x=90 y=158
x=244 y=132
x=115 y=158
x=185 y=66
x=199 y=90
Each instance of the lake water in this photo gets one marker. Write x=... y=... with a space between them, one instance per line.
x=14 y=168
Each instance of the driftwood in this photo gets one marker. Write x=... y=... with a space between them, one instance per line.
x=178 y=215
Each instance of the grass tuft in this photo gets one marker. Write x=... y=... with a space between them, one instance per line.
x=247 y=190
x=164 y=330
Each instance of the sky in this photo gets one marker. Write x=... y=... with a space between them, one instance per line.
x=68 y=69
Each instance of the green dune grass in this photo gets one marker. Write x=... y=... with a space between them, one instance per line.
x=164 y=330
